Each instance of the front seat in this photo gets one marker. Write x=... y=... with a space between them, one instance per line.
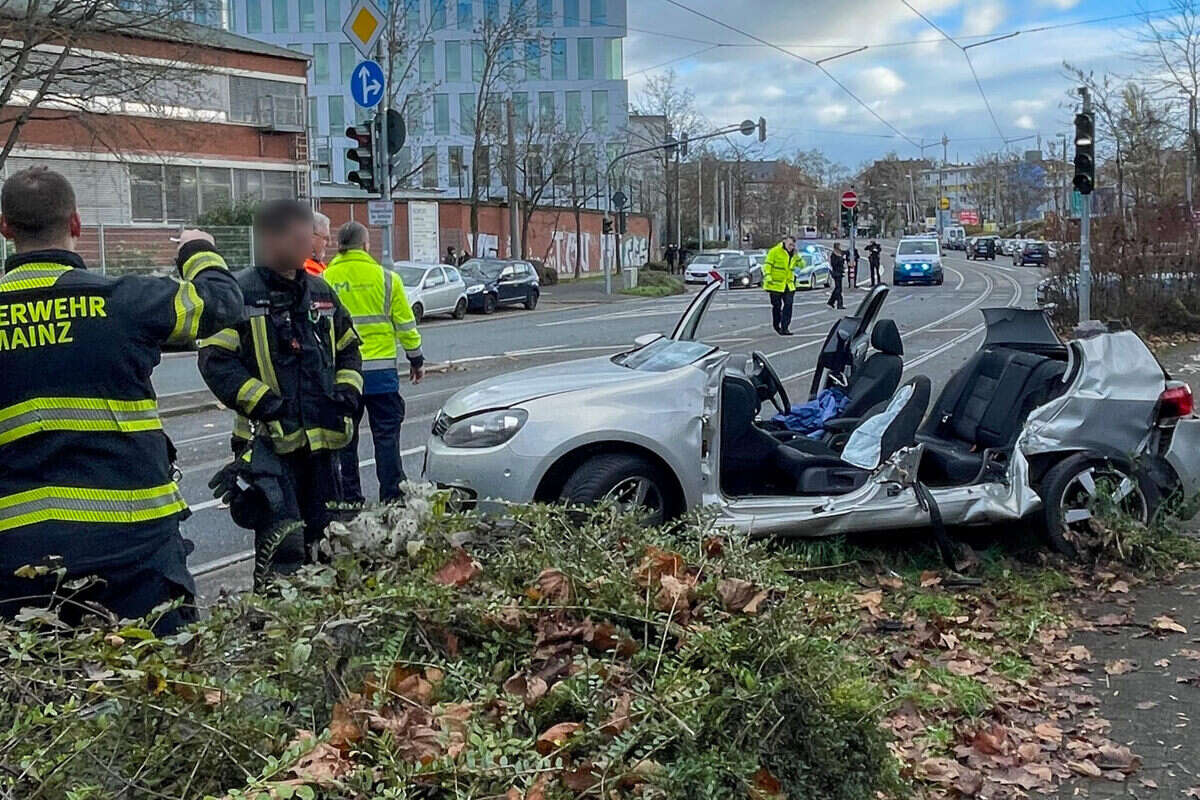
x=876 y=381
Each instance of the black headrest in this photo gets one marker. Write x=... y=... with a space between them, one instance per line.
x=886 y=338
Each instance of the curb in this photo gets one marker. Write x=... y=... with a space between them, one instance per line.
x=188 y=403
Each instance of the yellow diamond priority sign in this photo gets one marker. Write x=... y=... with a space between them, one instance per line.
x=364 y=26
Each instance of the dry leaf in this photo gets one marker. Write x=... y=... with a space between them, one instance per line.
x=1118 y=757
x=992 y=741
x=322 y=765
x=872 y=601
x=1047 y=732
x=1120 y=666
x=765 y=786
x=1166 y=624
x=1120 y=587
x=965 y=668
x=458 y=571
x=1146 y=705
x=930 y=578
x=582 y=778
x=343 y=729
x=1085 y=767
x=554 y=738
x=713 y=546
x=735 y=593
x=529 y=688
x=673 y=593
x=554 y=585
x=657 y=563
x=620 y=720
x=1079 y=653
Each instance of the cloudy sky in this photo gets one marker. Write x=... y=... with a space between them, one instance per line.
x=909 y=75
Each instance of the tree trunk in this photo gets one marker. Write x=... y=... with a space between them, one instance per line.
x=578 y=241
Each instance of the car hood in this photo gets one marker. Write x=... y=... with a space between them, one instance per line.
x=508 y=390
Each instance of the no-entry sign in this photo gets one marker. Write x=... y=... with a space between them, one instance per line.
x=849 y=199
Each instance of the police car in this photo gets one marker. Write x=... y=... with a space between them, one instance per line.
x=918 y=260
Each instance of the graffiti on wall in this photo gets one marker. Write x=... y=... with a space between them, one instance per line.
x=635 y=250
x=562 y=253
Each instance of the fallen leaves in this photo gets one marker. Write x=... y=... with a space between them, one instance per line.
x=460 y=570
x=1120 y=666
x=1164 y=624
x=556 y=737
x=740 y=596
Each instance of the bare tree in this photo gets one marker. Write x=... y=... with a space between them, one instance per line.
x=1169 y=46
x=546 y=155
x=407 y=39
x=51 y=71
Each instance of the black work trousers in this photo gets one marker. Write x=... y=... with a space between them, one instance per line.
x=781 y=310
x=386 y=412
x=835 y=297
x=875 y=279
x=312 y=480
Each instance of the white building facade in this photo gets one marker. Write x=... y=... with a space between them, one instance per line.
x=568 y=65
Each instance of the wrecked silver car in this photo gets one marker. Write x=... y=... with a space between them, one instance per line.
x=1030 y=425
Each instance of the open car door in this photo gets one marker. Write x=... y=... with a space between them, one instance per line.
x=693 y=315
x=849 y=339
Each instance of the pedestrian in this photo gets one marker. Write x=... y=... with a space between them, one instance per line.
x=315 y=263
x=873 y=255
x=669 y=257
x=86 y=481
x=375 y=299
x=451 y=259
x=837 y=270
x=291 y=372
x=779 y=281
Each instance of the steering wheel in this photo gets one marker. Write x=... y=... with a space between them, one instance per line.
x=768 y=380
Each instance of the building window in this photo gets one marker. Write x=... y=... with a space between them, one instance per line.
x=509 y=67
x=599 y=12
x=412 y=16
x=180 y=192
x=453 y=61
x=333 y=15
x=483 y=167
x=233 y=17
x=522 y=11
x=254 y=16
x=574 y=111
x=308 y=16
x=600 y=110
x=457 y=165
x=613 y=54
x=465 y=16
x=324 y=164
x=545 y=13
x=347 y=62
x=429 y=167
x=279 y=15
x=312 y=116
x=571 y=13
x=320 y=63
x=466 y=114
x=441 y=114
x=414 y=115
x=586 y=53
x=521 y=109
x=546 y=110
x=337 y=114
x=403 y=167
x=146 y=192
x=216 y=191
x=425 y=59
x=437 y=14
x=558 y=59
x=491 y=11
x=533 y=59
x=477 y=61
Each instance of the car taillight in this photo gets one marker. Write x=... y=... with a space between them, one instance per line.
x=1176 y=401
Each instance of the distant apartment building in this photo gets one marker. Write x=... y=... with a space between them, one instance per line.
x=568 y=66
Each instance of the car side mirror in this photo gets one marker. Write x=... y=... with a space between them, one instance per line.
x=646 y=339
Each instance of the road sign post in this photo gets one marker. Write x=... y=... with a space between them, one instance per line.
x=850 y=202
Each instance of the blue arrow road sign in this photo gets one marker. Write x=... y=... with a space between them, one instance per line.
x=366 y=84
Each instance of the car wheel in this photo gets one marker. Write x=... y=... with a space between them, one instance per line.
x=460 y=309
x=630 y=481
x=941 y=279
x=489 y=303
x=418 y=312
x=1071 y=488
x=531 y=300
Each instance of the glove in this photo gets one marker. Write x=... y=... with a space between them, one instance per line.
x=347 y=401
x=270 y=408
x=225 y=483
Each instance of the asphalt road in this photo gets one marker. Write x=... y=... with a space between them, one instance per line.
x=940 y=326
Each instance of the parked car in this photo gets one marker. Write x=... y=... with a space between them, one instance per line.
x=433 y=289
x=1030 y=427
x=815 y=270
x=918 y=260
x=1035 y=254
x=493 y=282
x=699 y=268
x=740 y=271
x=982 y=247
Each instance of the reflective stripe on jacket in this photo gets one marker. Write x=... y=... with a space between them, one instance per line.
x=84 y=466
x=779 y=270
x=290 y=367
x=375 y=297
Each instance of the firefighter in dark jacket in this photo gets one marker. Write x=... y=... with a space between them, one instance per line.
x=292 y=373
x=86 y=479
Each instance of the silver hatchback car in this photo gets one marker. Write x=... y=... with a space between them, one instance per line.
x=1029 y=425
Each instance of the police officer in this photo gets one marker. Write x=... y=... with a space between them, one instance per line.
x=779 y=281
x=85 y=468
x=375 y=298
x=291 y=371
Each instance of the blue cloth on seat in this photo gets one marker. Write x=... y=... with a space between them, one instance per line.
x=809 y=418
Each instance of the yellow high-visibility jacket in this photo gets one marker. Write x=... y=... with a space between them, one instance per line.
x=779 y=269
x=375 y=298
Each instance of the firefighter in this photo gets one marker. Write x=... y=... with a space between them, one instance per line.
x=291 y=371
x=86 y=472
x=375 y=297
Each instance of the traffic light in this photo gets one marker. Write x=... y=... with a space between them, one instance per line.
x=622 y=227
x=848 y=219
x=363 y=154
x=1085 y=153
x=606 y=227
x=762 y=129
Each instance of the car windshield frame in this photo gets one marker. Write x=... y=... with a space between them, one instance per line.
x=924 y=247
x=405 y=271
x=478 y=269
x=726 y=262
x=664 y=355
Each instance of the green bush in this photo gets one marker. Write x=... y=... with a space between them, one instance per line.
x=556 y=653
x=652 y=283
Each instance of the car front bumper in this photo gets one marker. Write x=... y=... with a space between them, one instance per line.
x=689 y=277
x=933 y=276
x=475 y=301
x=477 y=478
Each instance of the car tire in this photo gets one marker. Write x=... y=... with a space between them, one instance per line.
x=620 y=477
x=531 y=300
x=460 y=308
x=1063 y=506
x=418 y=312
x=941 y=279
x=490 y=301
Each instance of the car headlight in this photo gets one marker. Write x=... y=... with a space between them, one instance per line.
x=475 y=288
x=488 y=429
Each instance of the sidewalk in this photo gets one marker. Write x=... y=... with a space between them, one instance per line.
x=589 y=290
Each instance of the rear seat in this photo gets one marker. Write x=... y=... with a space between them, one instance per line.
x=983 y=407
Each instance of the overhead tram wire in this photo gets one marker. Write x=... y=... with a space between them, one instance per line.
x=799 y=57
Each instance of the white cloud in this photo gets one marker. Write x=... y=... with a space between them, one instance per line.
x=1025 y=123
x=834 y=112
x=1062 y=5
x=981 y=18
x=773 y=92
x=880 y=80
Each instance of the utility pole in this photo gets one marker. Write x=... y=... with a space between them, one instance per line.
x=1191 y=154
x=942 y=183
x=700 y=202
x=514 y=228
x=1085 y=232
x=678 y=204
x=383 y=163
